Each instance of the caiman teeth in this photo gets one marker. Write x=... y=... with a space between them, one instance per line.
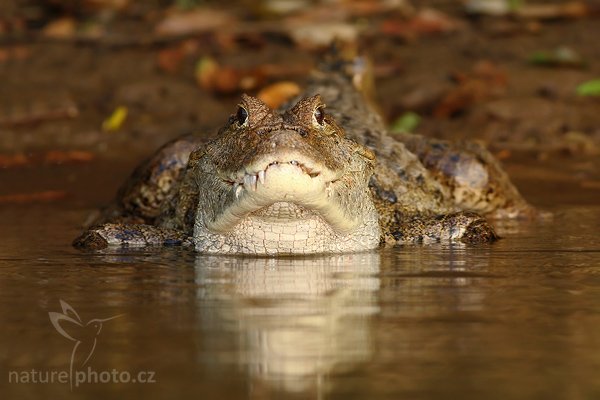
x=237 y=190
x=305 y=169
x=251 y=180
x=329 y=189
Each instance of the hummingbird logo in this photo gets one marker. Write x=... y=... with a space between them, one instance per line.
x=85 y=335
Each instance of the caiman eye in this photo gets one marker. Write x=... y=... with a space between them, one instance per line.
x=241 y=116
x=320 y=115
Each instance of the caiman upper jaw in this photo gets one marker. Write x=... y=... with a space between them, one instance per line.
x=258 y=168
x=250 y=180
x=252 y=176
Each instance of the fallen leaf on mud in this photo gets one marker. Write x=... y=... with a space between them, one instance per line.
x=17 y=53
x=278 y=93
x=498 y=8
x=114 y=5
x=15 y=25
x=578 y=142
x=322 y=34
x=206 y=69
x=461 y=98
x=92 y=30
x=68 y=110
x=590 y=185
x=407 y=122
x=484 y=82
x=170 y=59
x=37 y=197
x=503 y=154
x=71 y=156
x=198 y=20
x=362 y=8
x=424 y=96
x=560 y=57
x=589 y=88
x=489 y=7
x=425 y=22
x=215 y=78
x=60 y=28
x=212 y=76
x=504 y=27
x=281 y=7
x=13 y=160
x=56 y=157
x=490 y=73
x=571 y=9
x=355 y=8
x=228 y=41
x=115 y=120
x=279 y=71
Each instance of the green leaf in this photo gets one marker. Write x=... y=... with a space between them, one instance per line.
x=515 y=5
x=115 y=121
x=589 y=88
x=540 y=57
x=407 y=122
x=560 y=57
x=187 y=4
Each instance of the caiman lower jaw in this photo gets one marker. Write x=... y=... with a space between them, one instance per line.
x=283 y=182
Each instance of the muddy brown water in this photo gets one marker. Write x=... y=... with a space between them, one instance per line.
x=519 y=319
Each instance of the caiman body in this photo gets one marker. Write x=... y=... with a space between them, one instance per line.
x=321 y=176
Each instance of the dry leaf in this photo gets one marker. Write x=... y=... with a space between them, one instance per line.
x=225 y=79
x=170 y=59
x=485 y=81
x=115 y=120
x=64 y=157
x=17 y=53
x=278 y=93
x=60 y=28
x=37 y=197
x=13 y=160
x=215 y=78
x=195 y=21
x=425 y=22
x=322 y=34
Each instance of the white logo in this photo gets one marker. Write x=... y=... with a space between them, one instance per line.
x=85 y=335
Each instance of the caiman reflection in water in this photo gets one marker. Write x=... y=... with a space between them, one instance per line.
x=296 y=318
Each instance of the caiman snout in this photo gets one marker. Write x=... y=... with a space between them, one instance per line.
x=286 y=138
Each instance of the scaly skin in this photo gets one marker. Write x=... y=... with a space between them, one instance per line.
x=418 y=178
x=302 y=181
x=279 y=184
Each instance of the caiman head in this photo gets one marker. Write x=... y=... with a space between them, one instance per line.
x=284 y=183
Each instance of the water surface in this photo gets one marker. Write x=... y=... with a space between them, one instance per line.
x=519 y=319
